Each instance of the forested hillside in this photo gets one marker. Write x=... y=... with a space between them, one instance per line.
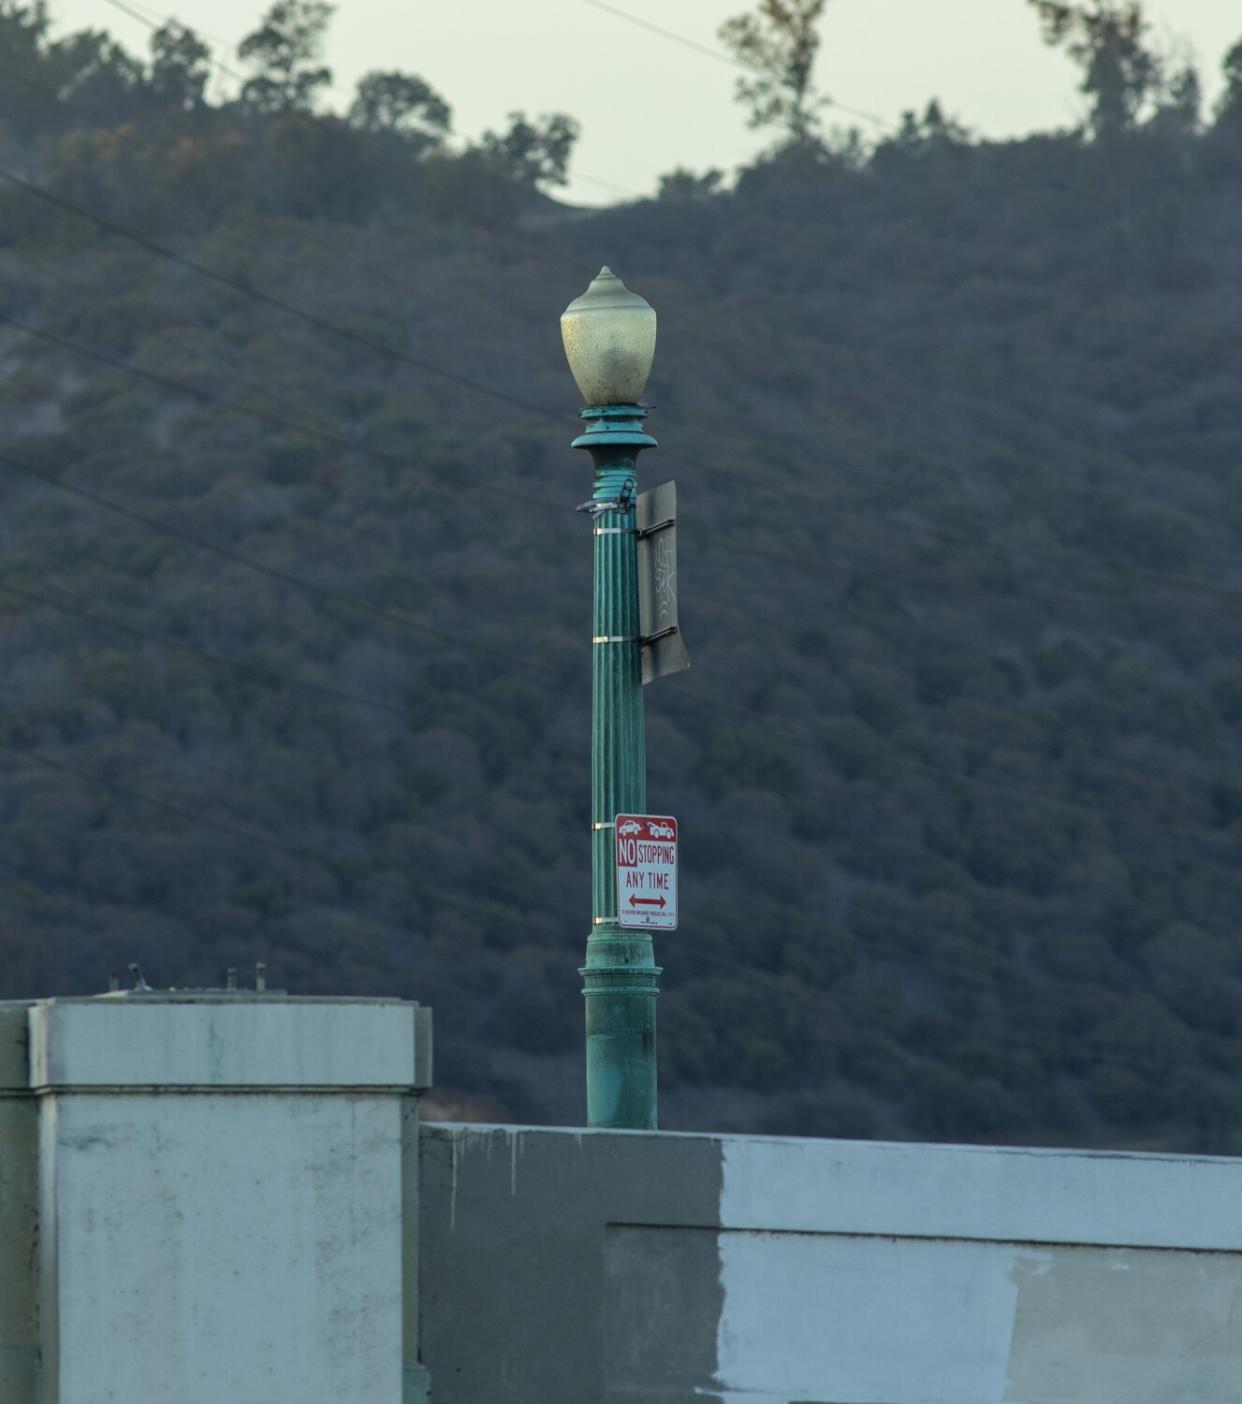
x=294 y=603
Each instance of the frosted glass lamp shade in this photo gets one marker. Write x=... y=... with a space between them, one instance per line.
x=609 y=335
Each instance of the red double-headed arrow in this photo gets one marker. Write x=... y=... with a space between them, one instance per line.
x=647 y=902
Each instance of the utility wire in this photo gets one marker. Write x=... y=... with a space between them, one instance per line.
x=315 y=428
x=333 y=866
x=271 y=679
x=167 y=19
x=782 y=984
x=321 y=592
x=241 y=80
x=783 y=490
x=716 y=54
x=906 y=763
x=1162 y=576
x=336 y=867
x=715 y=704
x=312 y=319
x=1027 y=1041
x=22 y=872
x=246 y=671
x=845 y=507
x=1011 y=789
x=51 y=887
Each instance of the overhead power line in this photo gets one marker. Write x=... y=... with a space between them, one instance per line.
x=162 y=16
x=316 y=429
x=241 y=79
x=715 y=705
x=693 y=44
x=23 y=872
x=784 y=490
x=515 y=660
x=312 y=319
x=819 y=499
x=280 y=680
x=321 y=592
x=246 y=671
x=337 y=867
x=320 y=429
x=165 y=18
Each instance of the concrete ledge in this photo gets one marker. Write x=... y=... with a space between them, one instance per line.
x=668 y=1268
x=161 y=1042
x=1015 y=1194
x=982 y=1192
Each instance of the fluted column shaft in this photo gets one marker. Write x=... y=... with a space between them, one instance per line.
x=620 y=975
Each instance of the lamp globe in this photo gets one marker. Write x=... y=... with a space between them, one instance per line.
x=609 y=335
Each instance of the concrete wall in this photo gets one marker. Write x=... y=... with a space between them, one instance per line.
x=216 y=1207
x=230 y=1198
x=584 y=1266
x=19 y=1137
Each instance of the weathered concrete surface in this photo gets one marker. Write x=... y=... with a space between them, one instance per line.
x=537 y=1282
x=224 y=1247
x=221 y=1184
x=19 y=1353
x=655 y=1268
x=206 y=1041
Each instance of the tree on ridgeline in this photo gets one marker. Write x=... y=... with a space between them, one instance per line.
x=27 y=96
x=779 y=45
x=96 y=76
x=285 y=53
x=684 y=187
x=933 y=131
x=533 y=153
x=23 y=31
x=401 y=104
x=1179 y=106
x=1229 y=110
x=180 y=67
x=1108 y=40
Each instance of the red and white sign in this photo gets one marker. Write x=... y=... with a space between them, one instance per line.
x=647 y=870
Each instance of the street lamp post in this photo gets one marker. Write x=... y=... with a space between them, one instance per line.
x=609 y=334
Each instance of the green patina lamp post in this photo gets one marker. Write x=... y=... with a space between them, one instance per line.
x=609 y=334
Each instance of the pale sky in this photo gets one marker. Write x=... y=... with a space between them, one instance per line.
x=648 y=104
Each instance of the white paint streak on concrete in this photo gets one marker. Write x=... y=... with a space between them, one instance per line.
x=952 y=1275
x=814 y=1317
x=983 y=1192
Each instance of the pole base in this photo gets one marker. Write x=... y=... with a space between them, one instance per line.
x=620 y=996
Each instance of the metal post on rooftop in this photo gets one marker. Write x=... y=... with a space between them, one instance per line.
x=609 y=335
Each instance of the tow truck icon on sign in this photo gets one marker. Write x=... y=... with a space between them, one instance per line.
x=630 y=827
x=664 y=831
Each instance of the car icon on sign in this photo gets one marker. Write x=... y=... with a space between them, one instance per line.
x=661 y=831
x=630 y=827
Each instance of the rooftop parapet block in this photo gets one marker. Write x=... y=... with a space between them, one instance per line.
x=228 y=1041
